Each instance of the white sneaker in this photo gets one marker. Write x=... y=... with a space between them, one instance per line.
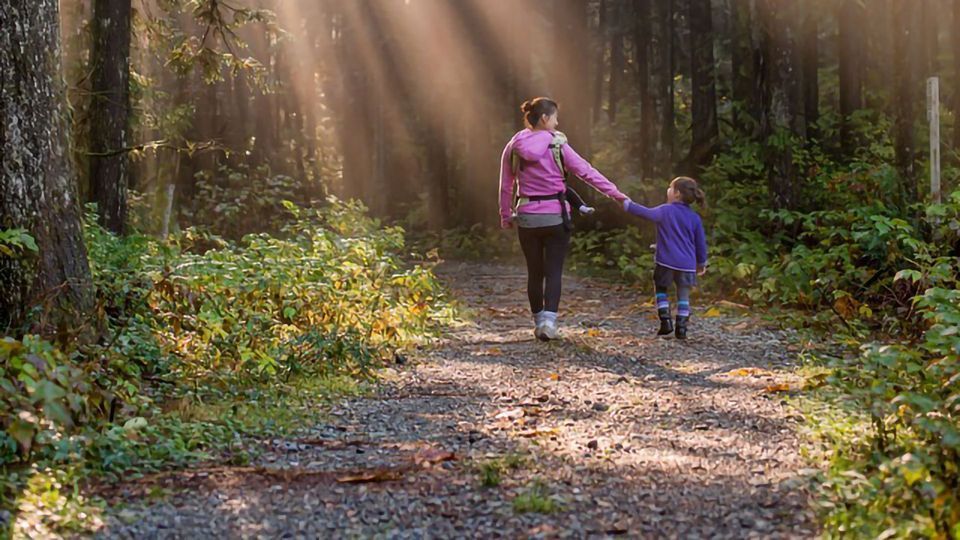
x=538 y=324
x=549 y=331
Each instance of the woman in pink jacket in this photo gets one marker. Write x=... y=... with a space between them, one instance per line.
x=542 y=213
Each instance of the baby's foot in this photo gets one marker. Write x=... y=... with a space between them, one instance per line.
x=587 y=210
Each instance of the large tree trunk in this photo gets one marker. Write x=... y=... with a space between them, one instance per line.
x=745 y=62
x=956 y=73
x=850 y=44
x=616 y=61
x=37 y=180
x=663 y=73
x=599 y=61
x=782 y=121
x=110 y=111
x=642 y=43
x=810 y=66
x=907 y=46
x=568 y=69
x=704 y=85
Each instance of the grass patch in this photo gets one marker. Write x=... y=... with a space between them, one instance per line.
x=491 y=472
x=535 y=499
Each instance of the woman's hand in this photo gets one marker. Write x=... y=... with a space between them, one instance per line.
x=701 y=270
x=506 y=223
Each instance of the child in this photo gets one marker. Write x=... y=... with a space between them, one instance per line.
x=681 y=249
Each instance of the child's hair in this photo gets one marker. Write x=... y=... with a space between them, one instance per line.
x=689 y=191
x=534 y=109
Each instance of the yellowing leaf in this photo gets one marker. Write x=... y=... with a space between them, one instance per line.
x=747 y=372
x=779 y=387
x=554 y=376
x=594 y=332
x=712 y=312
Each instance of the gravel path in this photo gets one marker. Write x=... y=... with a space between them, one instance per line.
x=608 y=432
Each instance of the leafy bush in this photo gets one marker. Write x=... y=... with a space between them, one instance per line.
x=909 y=479
x=197 y=319
x=236 y=201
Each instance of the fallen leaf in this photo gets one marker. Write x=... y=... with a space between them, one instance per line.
x=383 y=475
x=510 y=414
x=712 y=312
x=594 y=332
x=747 y=372
x=779 y=387
x=429 y=456
x=539 y=432
x=554 y=376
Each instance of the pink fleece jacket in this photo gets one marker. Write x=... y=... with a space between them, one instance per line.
x=540 y=175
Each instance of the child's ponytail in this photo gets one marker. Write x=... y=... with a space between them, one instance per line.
x=689 y=191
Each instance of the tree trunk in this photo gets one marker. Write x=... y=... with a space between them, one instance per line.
x=663 y=72
x=850 y=44
x=568 y=66
x=616 y=61
x=782 y=122
x=642 y=45
x=907 y=45
x=810 y=66
x=956 y=74
x=744 y=64
x=704 y=85
x=599 y=61
x=36 y=175
x=110 y=111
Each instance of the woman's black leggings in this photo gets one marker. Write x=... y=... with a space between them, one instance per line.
x=545 y=249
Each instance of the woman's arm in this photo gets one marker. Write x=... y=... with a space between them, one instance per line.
x=653 y=214
x=507 y=183
x=580 y=167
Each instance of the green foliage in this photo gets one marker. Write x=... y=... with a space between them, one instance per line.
x=536 y=498
x=491 y=472
x=909 y=484
x=14 y=242
x=236 y=201
x=207 y=342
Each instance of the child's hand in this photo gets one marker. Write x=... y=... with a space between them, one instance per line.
x=701 y=270
x=506 y=223
x=626 y=205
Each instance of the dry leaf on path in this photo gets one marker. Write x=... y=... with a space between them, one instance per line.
x=510 y=414
x=712 y=312
x=382 y=475
x=779 y=387
x=748 y=371
x=429 y=456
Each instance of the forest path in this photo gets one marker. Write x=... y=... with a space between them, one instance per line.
x=609 y=431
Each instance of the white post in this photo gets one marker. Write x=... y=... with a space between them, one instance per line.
x=933 y=115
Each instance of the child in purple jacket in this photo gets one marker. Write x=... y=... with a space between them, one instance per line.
x=681 y=249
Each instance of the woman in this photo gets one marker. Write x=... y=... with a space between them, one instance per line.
x=542 y=213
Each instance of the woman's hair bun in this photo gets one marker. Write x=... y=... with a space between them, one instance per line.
x=527 y=106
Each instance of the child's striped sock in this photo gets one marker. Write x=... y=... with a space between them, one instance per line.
x=663 y=305
x=683 y=301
